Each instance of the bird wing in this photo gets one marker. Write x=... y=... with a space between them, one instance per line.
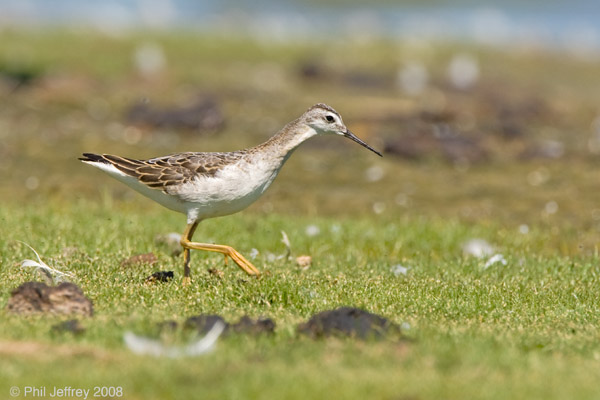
x=163 y=172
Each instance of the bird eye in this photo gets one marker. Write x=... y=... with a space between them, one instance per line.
x=329 y=118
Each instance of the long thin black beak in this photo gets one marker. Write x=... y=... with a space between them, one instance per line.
x=352 y=136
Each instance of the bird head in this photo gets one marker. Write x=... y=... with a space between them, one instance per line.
x=325 y=120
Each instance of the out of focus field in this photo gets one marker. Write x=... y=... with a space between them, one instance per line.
x=480 y=143
x=524 y=133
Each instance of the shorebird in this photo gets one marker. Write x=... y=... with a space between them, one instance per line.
x=208 y=185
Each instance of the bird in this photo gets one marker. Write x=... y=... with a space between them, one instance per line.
x=205 y=185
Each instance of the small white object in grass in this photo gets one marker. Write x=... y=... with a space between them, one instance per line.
x=150 y=59
x=551 y=207
x=463 y=71
x=53 y=275
x=146 y=346
x=379 y=207
x=552 y=148
x=538 y=177
x=496 y=258
x=274 y=257
x=312 y=230
x=173 y=237
x=402 y=199
x=399 y=270
x=171 y=240
x=132 y=135
x=32 y=182
x=405 y=326
x=524 y=229
x=254 y=253
x=478 y=248
x=374 y=173
x=286 y=241
x=412 y=78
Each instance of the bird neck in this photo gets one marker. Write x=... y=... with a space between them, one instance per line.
x=271 y=155
x=284 y=142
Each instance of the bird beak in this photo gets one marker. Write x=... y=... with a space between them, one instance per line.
x=352 y=136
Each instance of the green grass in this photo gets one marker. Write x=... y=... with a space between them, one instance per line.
x=527 y=329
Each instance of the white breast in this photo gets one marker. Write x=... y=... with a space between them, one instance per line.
x=232 y=189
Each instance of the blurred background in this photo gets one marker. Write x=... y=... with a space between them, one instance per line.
x=485 y=111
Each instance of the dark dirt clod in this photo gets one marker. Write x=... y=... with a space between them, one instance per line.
x=313 y=71
x=203 y=323
x=448 y=145
x=347 y=321
x=204 y=115
x=72 y=325
x=160 y=276
x=140 y=259
x=247 y=325
x=35 y=297
x=19 y=76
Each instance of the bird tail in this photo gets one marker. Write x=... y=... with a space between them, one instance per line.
x=91 y=157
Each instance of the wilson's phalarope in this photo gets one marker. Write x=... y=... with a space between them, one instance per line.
x=207 y=185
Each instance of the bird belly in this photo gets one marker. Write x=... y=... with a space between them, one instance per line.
x=162 y=198
x=231 y=190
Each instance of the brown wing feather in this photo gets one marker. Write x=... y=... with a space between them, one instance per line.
x=163 y=172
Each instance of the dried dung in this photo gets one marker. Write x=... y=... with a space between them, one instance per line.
x=349 y=322
x=203 y=323
x=246 y=325
x=35 y=297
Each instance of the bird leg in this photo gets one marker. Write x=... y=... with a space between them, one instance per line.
x=227 y=251
x=185 y=238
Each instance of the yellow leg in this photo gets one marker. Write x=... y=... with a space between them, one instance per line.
x=228 y=251
x=187 y=235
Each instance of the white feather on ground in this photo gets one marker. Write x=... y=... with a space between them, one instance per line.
x=52 y=274
x=146 y=346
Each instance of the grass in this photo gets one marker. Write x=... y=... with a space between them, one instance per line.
x=528 y=329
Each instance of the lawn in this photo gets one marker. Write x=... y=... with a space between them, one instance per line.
x=526 y=328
